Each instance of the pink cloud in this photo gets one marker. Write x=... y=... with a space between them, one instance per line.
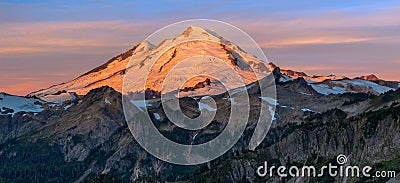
x=48 y=37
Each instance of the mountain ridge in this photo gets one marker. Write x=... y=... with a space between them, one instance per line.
x=112 y=72
x=88 y=136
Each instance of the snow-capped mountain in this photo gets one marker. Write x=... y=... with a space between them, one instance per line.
x=149 y=64
x=193 y=43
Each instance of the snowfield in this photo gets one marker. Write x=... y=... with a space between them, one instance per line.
x=205 y=106
x=18 y=104
x=59 y=99
x=343 y=86
x=325 y=90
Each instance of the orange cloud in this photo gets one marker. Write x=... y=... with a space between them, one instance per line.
x=313 y=40
x=24 y=88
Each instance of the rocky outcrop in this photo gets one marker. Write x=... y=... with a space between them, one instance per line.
x=370 y=77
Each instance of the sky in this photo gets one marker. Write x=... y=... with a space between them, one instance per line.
x=43 y=42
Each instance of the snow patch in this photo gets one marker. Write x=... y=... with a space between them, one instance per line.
x=106 y=101
x=59 y=99
x=307 y=110
x=272 y=112
x=205 y=106
x=68 y=106
x=284 y=78
x=53 y=105
x=308 y=94
x=269 y=100
x=194 y=136
x=157 y=116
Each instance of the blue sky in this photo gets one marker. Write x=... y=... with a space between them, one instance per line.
x=155 y=10
x=48 y=42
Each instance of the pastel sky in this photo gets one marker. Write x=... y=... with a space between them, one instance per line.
x=43 y=43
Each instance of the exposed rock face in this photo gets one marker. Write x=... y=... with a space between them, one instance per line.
x=91 y=138
x=314 y=78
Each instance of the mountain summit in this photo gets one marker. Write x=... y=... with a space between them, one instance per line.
x=195 y=31
x=370 y=77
